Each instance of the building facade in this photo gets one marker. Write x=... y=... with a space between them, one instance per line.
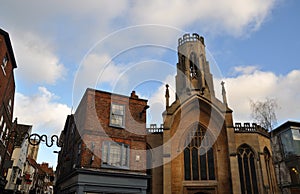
x=7 y=93
x=48 y=178
x=36 y=179
x=19 y=156
x=286 y=150
x=104 y=146
x=197 y=150
x=203 y=151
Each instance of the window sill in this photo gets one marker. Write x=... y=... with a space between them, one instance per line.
x=117 y=126
x=200 y=183
x=106 y=166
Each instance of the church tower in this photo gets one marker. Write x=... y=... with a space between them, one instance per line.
x=193 y=72
x=195 y=144
x=203 y=151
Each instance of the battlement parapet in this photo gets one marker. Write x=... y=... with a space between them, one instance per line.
x=154 y=129
x=190 y=38
x=248 y=128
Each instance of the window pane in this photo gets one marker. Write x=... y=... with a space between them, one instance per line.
x=117 y=120
x=296 y=141
x=104 y=153
x=211 y=167
x=253 y=174
x=125 y=151
x=287 y=143
x=195 y=164
x=187 y=167
x=247 y=174
x=117 y=109
x=115 y=155
x=117 y=115
x=4 y=61
x=203 y=165
x=241 y=173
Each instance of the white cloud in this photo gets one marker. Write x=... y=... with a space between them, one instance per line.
x=42 y=111
x=99 y=68
x=233 y=16
x=245 y=69
x=103 y=71
x=259 y=85
x=71 y=29
x=37 y=62
x=95 y=69
x=157 y=100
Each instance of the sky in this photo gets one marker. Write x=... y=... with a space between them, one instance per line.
x=64 y=47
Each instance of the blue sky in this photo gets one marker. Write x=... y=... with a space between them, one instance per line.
x=63 y=47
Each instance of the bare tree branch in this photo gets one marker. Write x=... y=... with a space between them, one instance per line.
x=264 y=112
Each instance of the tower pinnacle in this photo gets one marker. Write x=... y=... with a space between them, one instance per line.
x=224 y=93
x=167 y=95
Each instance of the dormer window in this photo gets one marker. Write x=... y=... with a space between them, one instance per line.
x=117 y=115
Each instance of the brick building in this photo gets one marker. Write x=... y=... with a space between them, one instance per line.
x=37 y=178
x=7 y=93
x=48 y=177
x=104 y=146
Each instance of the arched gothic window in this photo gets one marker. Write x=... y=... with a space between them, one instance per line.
x=246 y=161
x=199 y=156
x=268 y=162
x=193 y=65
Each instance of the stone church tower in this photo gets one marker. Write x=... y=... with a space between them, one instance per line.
x=193 y=73
x=203 y=152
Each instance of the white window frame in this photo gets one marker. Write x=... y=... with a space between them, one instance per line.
x=106 y=155
x=117 y=114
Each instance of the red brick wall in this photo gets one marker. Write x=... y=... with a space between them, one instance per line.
x=95 y=109
x=7 y=82
x=7 y=91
